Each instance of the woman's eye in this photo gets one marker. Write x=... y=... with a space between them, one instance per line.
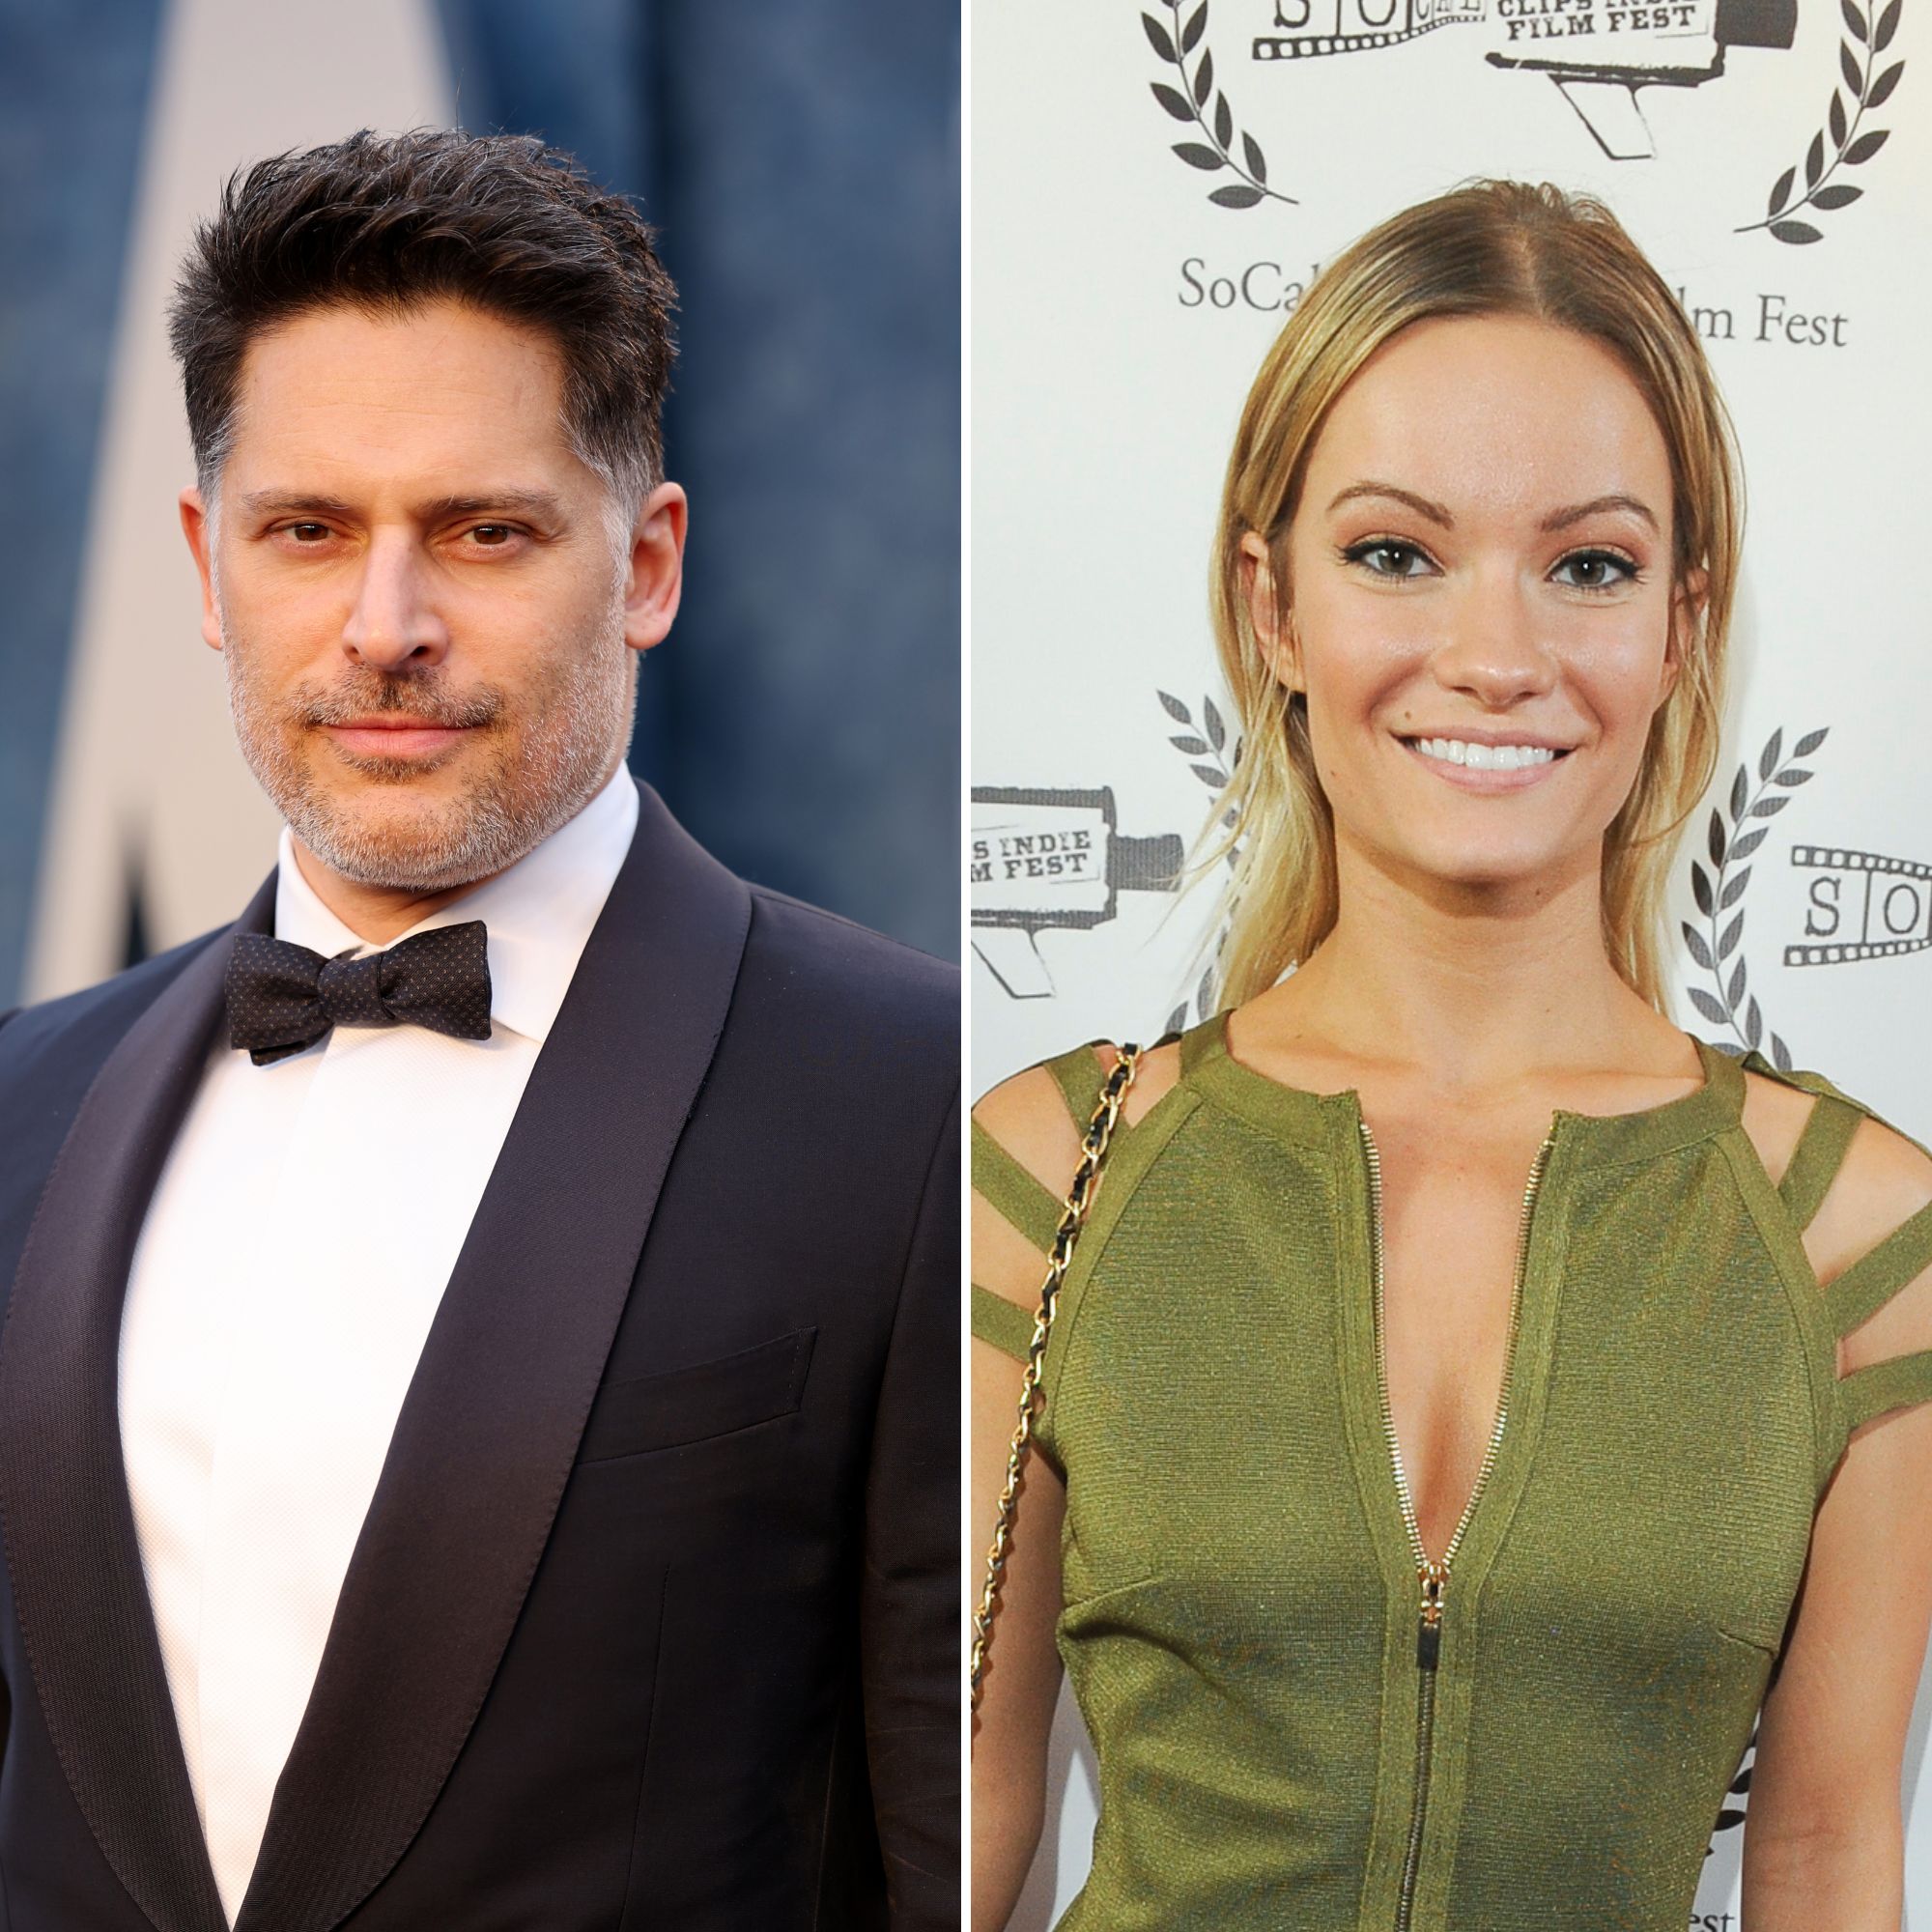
x=1397 y=557
x=1597 y=567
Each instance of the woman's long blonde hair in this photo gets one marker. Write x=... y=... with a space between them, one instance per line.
x=1490 y=247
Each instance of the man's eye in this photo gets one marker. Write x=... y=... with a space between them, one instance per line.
x=306 y=534
x=493 y=536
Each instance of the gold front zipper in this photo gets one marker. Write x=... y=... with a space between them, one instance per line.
x=1431 y=1574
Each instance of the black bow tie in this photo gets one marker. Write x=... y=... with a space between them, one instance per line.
x=282 y=997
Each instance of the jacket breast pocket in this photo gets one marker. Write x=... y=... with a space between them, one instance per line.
x=698 y=1401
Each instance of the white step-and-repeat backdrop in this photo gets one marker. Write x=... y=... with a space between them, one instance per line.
x=1152 y=184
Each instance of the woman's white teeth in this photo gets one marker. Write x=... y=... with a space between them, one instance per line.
x=1483 y=758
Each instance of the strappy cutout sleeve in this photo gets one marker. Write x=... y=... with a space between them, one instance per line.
x=1864 y=1286
x=1828 y=1132
x=1011 y=1192
x=1025 y=1203
x=1005 y=1323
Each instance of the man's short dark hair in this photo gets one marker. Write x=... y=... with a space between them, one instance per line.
x=388 y=222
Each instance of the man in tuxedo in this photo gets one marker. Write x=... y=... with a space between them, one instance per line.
x=478 y=1391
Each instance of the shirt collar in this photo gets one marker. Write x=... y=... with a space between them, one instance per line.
x=539 y=911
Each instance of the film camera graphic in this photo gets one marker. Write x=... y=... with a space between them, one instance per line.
x=1599 y=52
x=1052 y=861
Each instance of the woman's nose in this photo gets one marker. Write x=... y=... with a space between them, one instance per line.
x=1496 y=646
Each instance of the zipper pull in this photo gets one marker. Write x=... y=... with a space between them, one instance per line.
x=1428 y=1632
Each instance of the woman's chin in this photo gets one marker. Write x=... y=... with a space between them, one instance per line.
x=1482 y=863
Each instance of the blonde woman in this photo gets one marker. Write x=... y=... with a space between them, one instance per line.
x=1471 y=1397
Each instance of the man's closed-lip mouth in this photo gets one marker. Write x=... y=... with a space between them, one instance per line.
x=393 y=736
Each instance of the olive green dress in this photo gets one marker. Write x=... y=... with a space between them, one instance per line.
x=1298 y=1726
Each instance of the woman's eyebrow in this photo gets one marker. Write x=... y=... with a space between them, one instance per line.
x=1421 y=505
x=1555 y=521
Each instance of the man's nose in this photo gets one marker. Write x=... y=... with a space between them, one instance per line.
x=394 y=620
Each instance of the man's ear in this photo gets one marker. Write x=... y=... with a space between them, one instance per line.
x=654 y=579
x=1276 y=635
x=1686 y=608
x=198 y=526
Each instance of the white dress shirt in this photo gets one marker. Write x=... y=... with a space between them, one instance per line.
x=291 y=1259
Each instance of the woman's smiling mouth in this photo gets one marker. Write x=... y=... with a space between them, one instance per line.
x=1475 y=765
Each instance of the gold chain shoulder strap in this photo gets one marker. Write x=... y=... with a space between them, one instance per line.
x=1079 y=1197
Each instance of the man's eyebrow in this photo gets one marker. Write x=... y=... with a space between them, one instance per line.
x=1556 y=520
x=538 y=503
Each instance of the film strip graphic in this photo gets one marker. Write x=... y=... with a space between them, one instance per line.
x=1861 y=905
x=1342 y=26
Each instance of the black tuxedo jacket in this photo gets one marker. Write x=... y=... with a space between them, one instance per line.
x=654 y=1619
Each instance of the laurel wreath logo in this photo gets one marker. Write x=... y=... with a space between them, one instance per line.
x=1868 y=89
x=1730 y=1816
x=1214 y=746
x=1719 y=891
x=1212 y=762
x=1177 y=1020
x=1214 y=154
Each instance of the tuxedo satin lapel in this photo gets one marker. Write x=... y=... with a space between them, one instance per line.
x=490 y=1427
x=71 y=1551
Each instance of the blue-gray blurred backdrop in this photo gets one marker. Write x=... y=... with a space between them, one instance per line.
x=800 y=162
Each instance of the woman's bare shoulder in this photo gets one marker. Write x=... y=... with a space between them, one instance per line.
x=1025 y=1148
x=1022 y=1178
x=1028 y=1114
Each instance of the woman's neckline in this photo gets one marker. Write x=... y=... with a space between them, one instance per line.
x=1208 y=1068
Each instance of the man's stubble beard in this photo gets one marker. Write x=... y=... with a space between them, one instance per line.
x=577 y=724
